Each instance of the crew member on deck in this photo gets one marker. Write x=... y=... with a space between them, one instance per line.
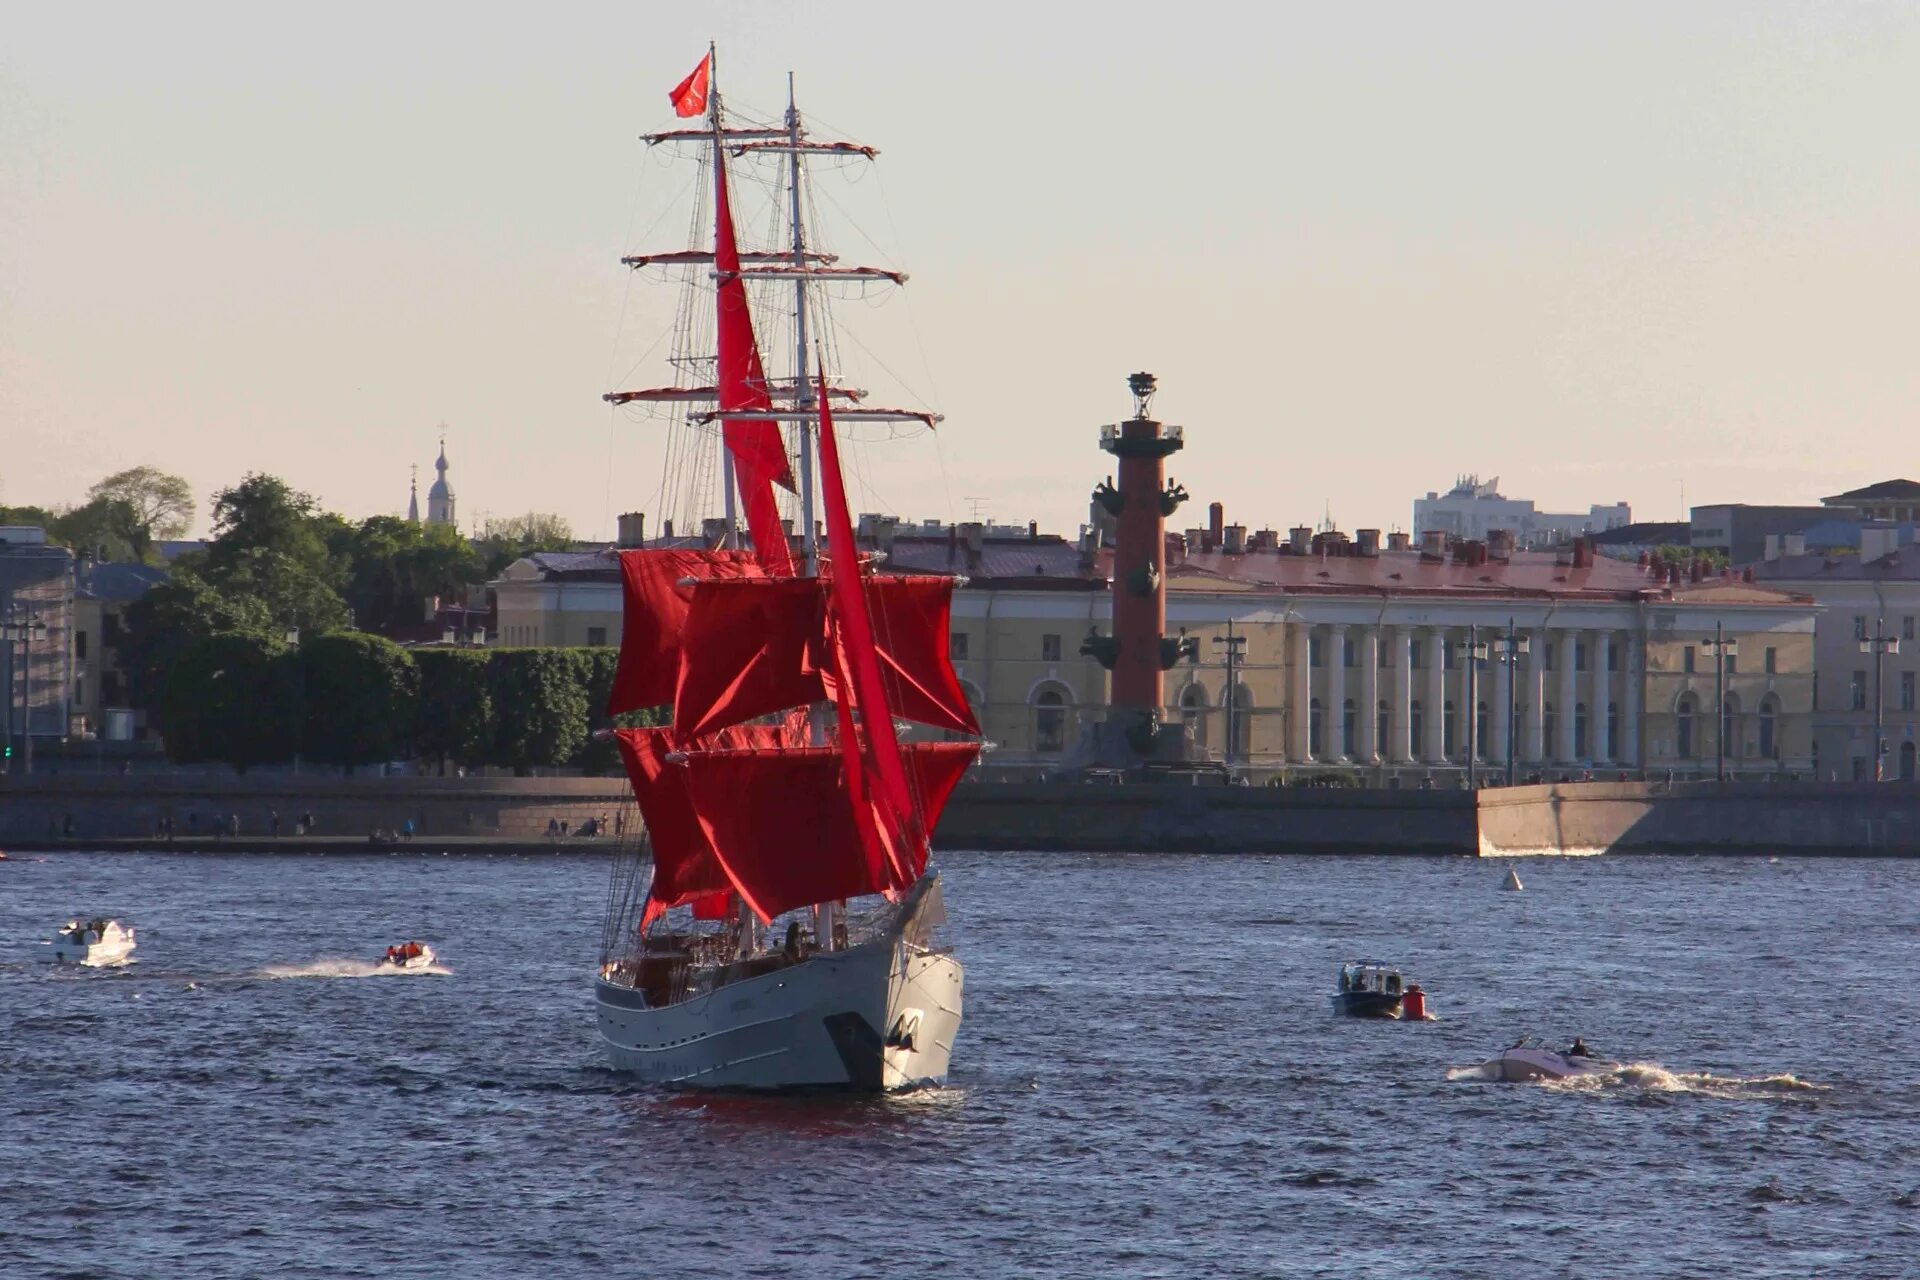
x=1579 y=1049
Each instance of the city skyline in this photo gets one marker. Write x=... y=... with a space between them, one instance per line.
x=1602 y=263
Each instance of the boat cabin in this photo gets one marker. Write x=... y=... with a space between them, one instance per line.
x=1371 y=976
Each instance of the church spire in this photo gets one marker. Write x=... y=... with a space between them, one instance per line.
x=440 y=496
x=413 y=495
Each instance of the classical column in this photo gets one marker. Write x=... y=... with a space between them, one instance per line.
x=1333 y=719
x=1632 y=678
x=1496 y=745
x=1400 y=748
x=1435 y=723
x=1300 y=702
x=1568 y=694
x=1369 y=718
x=1600 y=663
x=1536 y=691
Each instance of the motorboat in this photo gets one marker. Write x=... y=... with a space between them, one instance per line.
x=1528 y=1059
x=1375 y=989
x=93 y=942
x=408 y=955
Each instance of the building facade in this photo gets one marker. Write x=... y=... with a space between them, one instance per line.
x=36 y=636
x=1473 y=511
x=101 y=594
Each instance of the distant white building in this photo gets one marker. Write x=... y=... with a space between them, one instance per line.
x=1472 y=510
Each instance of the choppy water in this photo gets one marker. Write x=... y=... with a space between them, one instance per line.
x=1148 y=1082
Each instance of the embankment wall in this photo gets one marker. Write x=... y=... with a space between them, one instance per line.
x=1838 y=818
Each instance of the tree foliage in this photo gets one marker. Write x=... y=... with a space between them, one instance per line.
x=170 y=619
x=502 y=541
x=362 y=699
x=540 y=705
x=233 y=698
x=456 y=721
x=395 y=568
x=161 y=504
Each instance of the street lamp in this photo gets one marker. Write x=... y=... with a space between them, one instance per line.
x=1879 y=644
x=1475 y=651
x=1721 y=648
x=1235 y=646
x=1508 y=650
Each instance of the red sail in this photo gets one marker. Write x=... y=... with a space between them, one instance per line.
x=890 y=794
x=655 y=614
x=684 y=867
x=759 y=454
x=748 y=651
x=795 y=842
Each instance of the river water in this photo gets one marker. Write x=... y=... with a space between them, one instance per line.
x=1148 y=1081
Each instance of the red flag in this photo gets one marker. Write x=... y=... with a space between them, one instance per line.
x=689 y=97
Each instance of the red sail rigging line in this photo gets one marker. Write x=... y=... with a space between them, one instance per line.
x=797 y=843
x=759 y=455
x=900 y=828
x=742 y=656
x=655 y=615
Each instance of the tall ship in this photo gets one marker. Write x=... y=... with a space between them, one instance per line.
x=774 y=927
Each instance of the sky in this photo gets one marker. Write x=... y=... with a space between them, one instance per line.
x=1635 y=252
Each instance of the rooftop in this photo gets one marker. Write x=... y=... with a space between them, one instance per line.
x=1885 y=489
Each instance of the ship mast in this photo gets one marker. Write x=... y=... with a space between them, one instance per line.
x=802 y=383
x=730 y=538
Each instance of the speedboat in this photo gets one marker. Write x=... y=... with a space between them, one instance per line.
x=93 y=942
x=408 y=955
x=1528 y=1059
x=1374 y=989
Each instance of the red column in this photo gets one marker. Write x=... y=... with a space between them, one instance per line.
x=1139 y=591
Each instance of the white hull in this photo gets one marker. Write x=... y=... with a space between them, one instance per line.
x=881 y=1016
x=108 y=947
x=425 y=960
x=1521 y=1064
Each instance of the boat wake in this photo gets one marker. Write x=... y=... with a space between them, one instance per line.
x=351 y=969
x=1652 y=1078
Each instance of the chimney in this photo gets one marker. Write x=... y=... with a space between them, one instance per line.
x=631 y=529
x=1369 y=542
x=1500 y=544
x=1217 y=521
x=1433 y=544
x=974 y=534
x=1582 y=553
x=1033 y=531
x=666 y=529
x=1300 y=538
x=1236 y=535
x=713 y=530
x=1399 y=540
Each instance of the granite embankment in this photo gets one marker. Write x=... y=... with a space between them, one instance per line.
x=262 y=812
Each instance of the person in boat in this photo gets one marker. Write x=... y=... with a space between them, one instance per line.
x=1579 y=1049
x=393 y=954
x=791 y=951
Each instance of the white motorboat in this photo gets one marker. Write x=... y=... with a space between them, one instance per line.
x=408 y=955
x=1528 y=1060
x=93 y=942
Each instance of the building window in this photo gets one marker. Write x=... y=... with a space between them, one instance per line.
x=1686 y=659
x=1683 y=728
x=1906 y=627
x=1347 y=654
x=1049 y=648
x=1546 y=655
x=1579 y=655
x=1383 y=731
x=80 y=689
x=1859 y=626
x=1446 y=730
x=1193 y=712
x=1348 y=717
x=1415 y=724
x=1315 y=656
x=1769 y=740
x=957 y=646
x=1050 y=722
x=1613 y=655
x=1772 y=660
x=1413 y=654
x=1613 y=731
x=79 y=650
x=1547 y=723
x=596 y=637
x=1733 y=662
x=1580 y=730
x=1859 y=699
x=1316 y=730
x=1480 y=731
x=1446 y=656
x=1906 y=690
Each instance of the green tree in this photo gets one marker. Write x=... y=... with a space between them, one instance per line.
x=456 y=720
x=362 y=699
x=31 y=517
x=271 y=544
x=540 y=706
x=107 y=528
x=503 y=541
x=168 y=620
x=395 y=567
x=162 y=504
x=599 y=755
x=233 y=698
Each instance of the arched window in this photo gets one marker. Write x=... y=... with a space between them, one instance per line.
x=1348 y=716
x=1316 y=731
x=1050 y=721
x=1193 y=712
x=1613 y=731
x=1730 y=728
x=1384 y=730
x=1415 y=722
x=1447 y=730
x=1769 y=732
x=1683 y=727
x=1580 y=730
x=1481 y=742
